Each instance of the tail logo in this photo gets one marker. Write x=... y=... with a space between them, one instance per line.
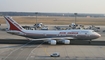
x=12 y=24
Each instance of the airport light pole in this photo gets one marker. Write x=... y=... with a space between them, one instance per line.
x=75 y=17
x=36 y=17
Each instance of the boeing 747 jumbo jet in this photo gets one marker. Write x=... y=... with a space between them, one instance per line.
x=51 y=36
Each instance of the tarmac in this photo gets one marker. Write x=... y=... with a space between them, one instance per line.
x=14 y=47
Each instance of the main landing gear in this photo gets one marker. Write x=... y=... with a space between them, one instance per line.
x=90 y=41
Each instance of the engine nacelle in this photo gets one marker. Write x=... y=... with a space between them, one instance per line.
x=52 y=42
x=66 y=41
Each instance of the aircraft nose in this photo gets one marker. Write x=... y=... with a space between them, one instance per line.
x=98 y=35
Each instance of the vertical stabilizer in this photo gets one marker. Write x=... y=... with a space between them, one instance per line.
x=12 y=24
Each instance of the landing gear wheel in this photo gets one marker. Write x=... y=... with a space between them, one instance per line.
x=90 y=42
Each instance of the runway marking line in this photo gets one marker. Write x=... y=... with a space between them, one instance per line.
x=17 y=49
x=33 y=50
x=20 y=53
x=4 y=51
x=45 y=50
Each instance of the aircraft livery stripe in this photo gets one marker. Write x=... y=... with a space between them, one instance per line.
x=13 y=26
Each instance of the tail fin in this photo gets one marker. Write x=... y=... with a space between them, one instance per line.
x=12 y=24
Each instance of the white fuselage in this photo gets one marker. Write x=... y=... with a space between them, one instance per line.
x=75 y=34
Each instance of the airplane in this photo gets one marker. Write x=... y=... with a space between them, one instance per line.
x=39 y=25
x=51 y=36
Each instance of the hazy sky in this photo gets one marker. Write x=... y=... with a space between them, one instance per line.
x=67 y=6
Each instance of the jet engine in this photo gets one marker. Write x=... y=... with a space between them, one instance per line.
x=52 y=42
x=66 y=41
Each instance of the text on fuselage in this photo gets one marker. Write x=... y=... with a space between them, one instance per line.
x=68 y=32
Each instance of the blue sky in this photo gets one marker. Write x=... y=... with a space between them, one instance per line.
x=67 y=6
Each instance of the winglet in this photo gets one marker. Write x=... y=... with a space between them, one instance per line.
x=12 y=24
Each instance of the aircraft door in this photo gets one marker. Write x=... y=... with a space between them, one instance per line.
x=87 y=35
